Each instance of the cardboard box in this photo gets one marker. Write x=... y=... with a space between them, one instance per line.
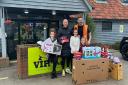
x=88 y=71
x=91 y=52
x=116 y=71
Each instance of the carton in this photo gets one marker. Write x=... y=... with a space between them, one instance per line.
x=89 y=71
x=116 y=71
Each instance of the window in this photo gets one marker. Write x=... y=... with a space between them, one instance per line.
x=125 y=1
x=101 y=1
x=106 y=26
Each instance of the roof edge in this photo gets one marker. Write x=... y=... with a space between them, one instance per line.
x=88 y=5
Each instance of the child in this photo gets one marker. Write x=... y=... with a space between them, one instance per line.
x=83 y=43
x=51 y=57
x=75 y=43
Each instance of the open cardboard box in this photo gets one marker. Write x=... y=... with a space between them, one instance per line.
x=88 y=71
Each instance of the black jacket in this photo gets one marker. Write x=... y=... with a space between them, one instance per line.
x=65 y=32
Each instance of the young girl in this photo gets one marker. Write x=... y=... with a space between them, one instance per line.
x=83 y=43
x=51 y=57
x=75 y=42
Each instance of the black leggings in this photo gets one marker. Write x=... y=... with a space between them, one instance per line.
x=68 y=60
x=53 y=58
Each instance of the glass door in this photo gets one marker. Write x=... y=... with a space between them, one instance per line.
x=31 y=32
x=26 y=33
x=40 y=31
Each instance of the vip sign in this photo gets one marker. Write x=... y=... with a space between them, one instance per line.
x=38 y=62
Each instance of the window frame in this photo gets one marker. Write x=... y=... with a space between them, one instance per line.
x=104 y=28
x=124 y=3
x=99 y=1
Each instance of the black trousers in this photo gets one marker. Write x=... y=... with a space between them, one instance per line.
x=68 y=60
x=54 y=59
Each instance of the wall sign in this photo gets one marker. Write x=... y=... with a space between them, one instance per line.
x=121 y=30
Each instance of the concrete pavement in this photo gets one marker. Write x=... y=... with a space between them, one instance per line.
x=8 y=76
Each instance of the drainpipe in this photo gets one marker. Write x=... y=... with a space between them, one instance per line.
x=89 y=7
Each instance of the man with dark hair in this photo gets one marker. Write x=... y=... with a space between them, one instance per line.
x=83 y=30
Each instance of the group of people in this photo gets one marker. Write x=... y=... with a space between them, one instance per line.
x=72 y=40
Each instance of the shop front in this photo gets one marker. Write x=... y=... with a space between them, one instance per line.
x=27 y=28
x=26 y=22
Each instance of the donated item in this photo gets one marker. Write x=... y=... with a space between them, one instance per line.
x=124 y=48
x=116 y=60
x=77 y=55
x=91 y=52
x=89 y=71
x=40 y=42
x=110 y=56
x=52 y=48
x=116 y=71
x=49 y=47
x=105 y=52
x=64 y=39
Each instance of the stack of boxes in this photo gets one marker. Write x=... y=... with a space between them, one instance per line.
x=92 y=67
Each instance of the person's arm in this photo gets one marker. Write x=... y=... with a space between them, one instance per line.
x=78 y=46
x=59 y=35
x=89 y=36
x=71 y=44
x=71 y=32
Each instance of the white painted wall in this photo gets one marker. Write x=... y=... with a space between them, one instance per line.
x=111 y=37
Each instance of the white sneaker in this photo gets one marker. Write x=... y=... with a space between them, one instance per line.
x=63 y=73
x=68 y=71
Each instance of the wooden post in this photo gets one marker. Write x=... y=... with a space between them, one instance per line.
x=3 y=34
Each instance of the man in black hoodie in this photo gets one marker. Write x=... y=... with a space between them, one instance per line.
x=64 y=35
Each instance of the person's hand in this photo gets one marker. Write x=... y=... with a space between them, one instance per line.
x=88 y=43
x=79 y=36
x=63 y=41
x=74 y=52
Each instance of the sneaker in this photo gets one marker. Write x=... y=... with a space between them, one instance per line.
x=68 y=71
x=63 y=72
x=54 y=75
